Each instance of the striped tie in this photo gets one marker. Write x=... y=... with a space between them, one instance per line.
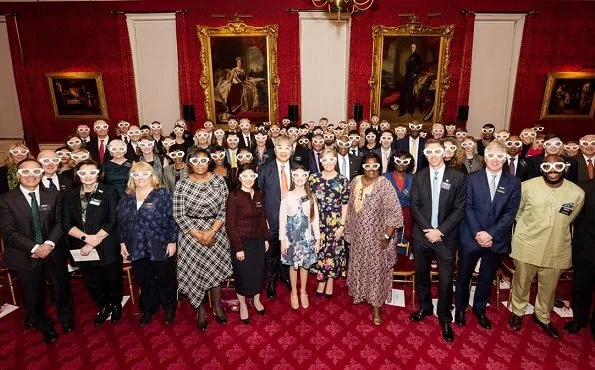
x=36 y=219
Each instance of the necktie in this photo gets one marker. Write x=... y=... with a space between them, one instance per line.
x=284 y=186
x=414 y=154
x=511 y=167
x=36 y=219
x=51 y=184
x=343 y=167
x=493 y=187
x=317 y=161
x=435 y=199
x=232 y=155
x=101 y=150
x=590 y=168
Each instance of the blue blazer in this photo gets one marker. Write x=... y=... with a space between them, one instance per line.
x=268 y=181
x=405 y=194
x=147 y=231
x=402 y=145
x=495 y=217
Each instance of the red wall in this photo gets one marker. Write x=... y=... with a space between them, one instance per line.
x=86 y=37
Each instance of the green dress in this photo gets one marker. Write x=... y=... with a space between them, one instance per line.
x=116 y=175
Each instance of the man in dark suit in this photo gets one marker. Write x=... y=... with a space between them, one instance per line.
x=414 y=145
x=247 y=139
x=487 y=135
x=354 y=136
x=348 y=164
x=385 y=151
x=583 y=262
x=493 y=198
x=274 y=178
x=314 y=155
x=123 y=127
x=553 y=145
x=515 y=164
x=97 y=146
x=586 y=161
x=133 y=151
x=51 y=180
x=32 y=235
x=300 y=154
x=438 y=202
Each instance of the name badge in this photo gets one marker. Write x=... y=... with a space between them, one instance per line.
x=95 y=202
x=405 y=192
x=127 y=164
x=44 y=208
x=148 y=205
x=445 y=186
x=501 y=190
x=258 y=204
x=566 y=209
x=298 y=159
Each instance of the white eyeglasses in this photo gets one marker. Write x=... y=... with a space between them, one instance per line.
x=30 y=172
x=438 y=152
x=354 y=138
x=244 y=125
x=571 y=147
x=19 y=151
x=461 y=134
x=176 y=154
x=386 y=138
x=415 y=127
x=134 y=132
x=328 y=160
x=179 y=131
x=156 y=126
x=63 y=154
x=405 y=161
x=101 y=127
x=437 y=130
x=498 y=156
x=385 y=126
x=556 y=166
x=423 y=134
x=487 y=130
x=244 y=157
x=248 y=176
x=297 y=175
x=80 y=157
x=364 y=126
x=468 y=144
x=587 y=143
x=502 y=136
x=216 y=156
x=73 y=142
x=85 y=173
x=370 y=137
x=517 y=144
x=150 y=144
x=329 y=137
x=451 y=127
x=219 y=134
x=261 y=137
x=140 y=175
x=233 y=140
x=343 y=144
x=400 y=130
x=196 y=161
x=122 y=124
x=292 y=131
x=47 y=161
x=528 y=134
x=317 y=141
x=304 y=141
x=450 y=148
x=83 y=129
x=556 y=144
x=537 y=129
x=118 y=149
x=168 y=143
x=371 y=166
x=202 y=135
x=275 y=130
x=208 y=125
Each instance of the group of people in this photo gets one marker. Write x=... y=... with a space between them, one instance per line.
x=284 y=202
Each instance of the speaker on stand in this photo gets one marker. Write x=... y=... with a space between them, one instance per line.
x=463 y=115
x=292 y=113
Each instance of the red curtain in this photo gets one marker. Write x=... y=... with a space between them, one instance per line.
x=465 y=75
x=128 y=83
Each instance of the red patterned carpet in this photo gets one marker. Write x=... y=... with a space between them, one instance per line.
x=331 y=334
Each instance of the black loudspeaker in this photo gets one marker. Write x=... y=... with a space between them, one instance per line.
x=292 y=113
x=189 y=115
x=358 y=112
x=463 y=113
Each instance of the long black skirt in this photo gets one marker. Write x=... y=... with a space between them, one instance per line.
x=249 y=272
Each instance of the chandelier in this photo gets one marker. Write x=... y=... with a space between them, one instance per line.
x=344 y=6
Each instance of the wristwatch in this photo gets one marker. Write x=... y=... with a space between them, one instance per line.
x=83 y=237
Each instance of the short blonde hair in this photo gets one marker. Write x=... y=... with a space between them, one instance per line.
x=139 y=167
x=9 y=162
x=328 y=151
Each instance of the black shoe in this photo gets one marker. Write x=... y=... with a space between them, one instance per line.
x=271 y=291
x=419 y=315
x=221 y=318
x=460 y=318
x=102 y=315
x=447 y=333
x=68 y=326
x=328 y=296
x=515 y=322
x=169 y=317
x=245 y=321
x=287 y=284
x=558 y=302
x=549 y=328
x=319 y=294
x=261 y=312
x=201 y=324
x=144 y=320
x=50 y=336
x=28 y=324
x=483 y=320
x=116 y=313
x=573 y=327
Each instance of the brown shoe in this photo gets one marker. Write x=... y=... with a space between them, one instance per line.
x=515 y=322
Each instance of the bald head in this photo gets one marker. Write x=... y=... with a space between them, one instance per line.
x=588 y=149
x=49 y=162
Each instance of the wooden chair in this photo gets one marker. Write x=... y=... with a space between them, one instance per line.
x=127 y=268
x=404 y=271
x=5 y=270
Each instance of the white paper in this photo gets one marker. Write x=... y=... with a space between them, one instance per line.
x=397 y=298
x=435 y=303
x=124 y=300
x=530 y=308
x=72 y=268
x=76 y=254
x=504 y=284
x=477 y=266
x=7 y=308
x=565 y=311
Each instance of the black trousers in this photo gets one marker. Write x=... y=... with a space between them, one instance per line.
x=158 y=284
x=490 y=262
x=424 y=252
x=273 y=264
x=33 y=284
x=104 y=283
x=582 y=292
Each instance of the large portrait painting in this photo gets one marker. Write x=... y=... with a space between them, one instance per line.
x=77 y=95
x=410 y=72
x=569 y=95
x=239 y=72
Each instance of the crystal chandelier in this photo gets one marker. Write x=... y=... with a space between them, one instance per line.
x=344 y=6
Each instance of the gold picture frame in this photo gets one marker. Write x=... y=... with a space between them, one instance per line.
x=569 y=96
x=393 y=84
x=230 y=90
x=77 y=95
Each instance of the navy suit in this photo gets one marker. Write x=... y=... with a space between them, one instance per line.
x=314 y=165
x=494 y=217
x=402 y=145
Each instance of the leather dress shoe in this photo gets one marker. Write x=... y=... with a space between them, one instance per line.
x=483 y=320
x=116 y=313
x=447 y=333
x=573 y=327
x=145 y=319
x=102 y=315
x=271 y=291
x=287 y=283
x=169 y=317
x=419 y=315
x=28 y=324
x=515 y=322
x=549 y=328
x=50 y=336
x=68 y=326
x=460 y=318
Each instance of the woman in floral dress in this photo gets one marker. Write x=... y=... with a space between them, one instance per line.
x=331 y=190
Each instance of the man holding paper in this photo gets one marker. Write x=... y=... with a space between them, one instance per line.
x=31 y=231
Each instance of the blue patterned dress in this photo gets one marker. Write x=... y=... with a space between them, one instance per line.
x=300 y=233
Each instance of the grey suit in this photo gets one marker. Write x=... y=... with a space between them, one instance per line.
x=476 y=163
x=169 y=177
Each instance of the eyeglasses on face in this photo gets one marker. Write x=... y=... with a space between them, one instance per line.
x=208 y=125
x=85 y=173
x=63 y=154
x=101 y=127
x=261 y=137
x=528 y=134
x=176 y=154
x=502 y=136
x=487 y=130
x=140 y=175
x=149 y=144
x=299 y=175
x=343 y=144
x=47 y=161
x=517 y=144
x=498 y=156
x=386 y=138
x=201 y=160
x=553 y=166
x=587 y=143
x=304 y=141
x=244 y=157
x=80 y=157
x=248 y=176
x=400 y=130
x=117 y=149
x=461 y=134
x=156 y=126
x=202 y=135
x=19 y=151
x=405 y=161
x=370 y=137
x=329 y=137
x=85 y=130
x=134 y=132
x=538 y=129
x=415 y=127
x=451 y=127
x=354 y=138
x=233 y=140
x=73 y=142
x=123 y=124
x=292 y=131
x=371 y=166
x=468 y=144
x=571 y=147
x=438 y=131
x=429 y=152
x=318 y=141
x=216 y=156
x=30 y=172
x=555 y=144
x=450 y=148
x=328 y=160
x=275 y=130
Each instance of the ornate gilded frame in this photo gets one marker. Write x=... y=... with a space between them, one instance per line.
x=549 y=90
x=51 y=77
x=445 y=33
x=236 y=27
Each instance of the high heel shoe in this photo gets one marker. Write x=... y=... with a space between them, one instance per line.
x=221 y=319
x=261 y=312
x=295 y=304
x=328 y=296
x=305 y=302
x=201 y=324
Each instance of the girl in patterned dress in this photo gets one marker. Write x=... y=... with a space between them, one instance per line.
x=299 y=233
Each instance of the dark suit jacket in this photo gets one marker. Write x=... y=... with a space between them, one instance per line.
x=16 y=227
x=66 y=182
x=268 y=155
x=131 y=153
x=582 y=171
x=244 y=144
x=268 y=181
x=570 y=175
x=583 y=242
x=355 y=162
x=93 y=148
x=101 y=214
x=495 y=217
x=4 y=179
x=451 y=209
x=301 y=156
x=312 y=163
x=524 y=169
x=378 y=152
x=402 y=145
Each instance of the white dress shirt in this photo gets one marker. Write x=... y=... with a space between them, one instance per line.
x=414 y=152
x=54 y=179
x=385 y=158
